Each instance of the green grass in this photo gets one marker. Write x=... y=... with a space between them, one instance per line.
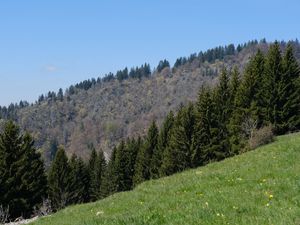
x=258 y=187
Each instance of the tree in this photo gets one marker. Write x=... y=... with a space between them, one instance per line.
x=203 y=122
x=79 y=181
x=23 y=182
x=248 y=102
x=59 y=180
x=144 y=158
x=109 y=180
x=162 y=64
x=178 y=154
x=272 y=81
x=94 y=186
x=289 y=94
x=122 y=168
x=163 y=140
x=219 y=146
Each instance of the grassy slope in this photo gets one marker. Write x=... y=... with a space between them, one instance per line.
x=258 y=187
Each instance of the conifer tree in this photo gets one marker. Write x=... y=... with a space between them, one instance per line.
x=34 y=179
x=289 y=94
x=271 y=82
x=93 y=176
x=109 y=180
x=248 y=102
x=144 y=164
x=79 y=181
x=133 y=147
x=178 y=154
x=122 y=168
x=22 y=179
x=101 y=170
x=203 y=121
x=220 y=147
x=59 y=180
x=163 y=140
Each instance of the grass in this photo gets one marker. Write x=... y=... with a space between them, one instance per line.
x=258 y=187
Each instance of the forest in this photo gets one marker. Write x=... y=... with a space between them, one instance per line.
x=239 y=113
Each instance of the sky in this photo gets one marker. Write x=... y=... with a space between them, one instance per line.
x=47 y=45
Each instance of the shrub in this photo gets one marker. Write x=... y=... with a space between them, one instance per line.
x=261 y=136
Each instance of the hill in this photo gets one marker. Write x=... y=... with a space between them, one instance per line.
x=258 y=187
x=100 y=114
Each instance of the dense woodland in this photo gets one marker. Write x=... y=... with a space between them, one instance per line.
x=99 y=112
x=220 y=124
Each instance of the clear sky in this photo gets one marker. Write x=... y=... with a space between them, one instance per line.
x=45 y=45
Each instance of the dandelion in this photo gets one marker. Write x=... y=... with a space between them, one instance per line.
x=270 y=196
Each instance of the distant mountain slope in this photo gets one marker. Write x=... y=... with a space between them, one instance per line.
x=109 y=111
x=258 y=187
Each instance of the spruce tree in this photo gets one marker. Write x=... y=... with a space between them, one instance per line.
x=59 y=180
x=109 y=180
x=178 y=155
x=34 y=179
x=289 y=94
x=133 y=147
x=93 y=176
x=203 y=121
x=22 y=179
x=122 y=168
x=78 y=181
x=219 y=147
x=248 y=103
x=271 y=82
x=144 y=164
x=163 y=140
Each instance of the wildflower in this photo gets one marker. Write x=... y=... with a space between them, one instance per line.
x=270 y=196
x=267 y=204
x=206 y=203
x=218 y=214
x=99 y=213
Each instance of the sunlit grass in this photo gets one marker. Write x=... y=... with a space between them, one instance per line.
x=258 y=187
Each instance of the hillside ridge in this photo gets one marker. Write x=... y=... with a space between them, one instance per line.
x=258 y=187
x=102 y=114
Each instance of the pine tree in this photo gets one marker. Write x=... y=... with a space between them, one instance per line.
x=22 y=179
x=59 y=179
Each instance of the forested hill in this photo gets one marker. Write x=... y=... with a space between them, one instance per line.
x=99 y=112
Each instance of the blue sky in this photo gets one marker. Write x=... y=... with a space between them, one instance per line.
x=45 y=45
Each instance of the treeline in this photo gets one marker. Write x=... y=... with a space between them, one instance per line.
x=218 y=125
